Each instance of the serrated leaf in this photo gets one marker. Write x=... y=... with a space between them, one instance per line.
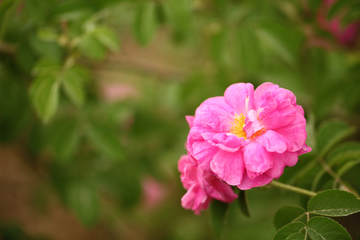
x=288 y=230
x=250 y=52
x=107 y=37
x=104 y=139
x=84 y=201
x=334 y=203
x=44 y=93
x=243 y=203
x=90 y=46
x=331 y=133
x=145 y=23
x=286 y=215
x=218 y=212
x=321 y=228
x=73 y=80
x=296 y=236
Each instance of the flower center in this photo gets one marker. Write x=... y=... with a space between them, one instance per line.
x=238 y=127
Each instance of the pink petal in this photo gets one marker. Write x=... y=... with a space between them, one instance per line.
x=248 y=183
x=256 y=158
x=279 y=117
x=304 y=149
x=203 y=152
x=228 y=167
x=277 y=170
x=214 y=117
x=190 y=120
x=272 y=141
x=295 y=133
x=260 y=90
x=288 y=158
x=252 y=123
x=195 y=199
x=215 y=188
x=240 y=97
x=225 y=141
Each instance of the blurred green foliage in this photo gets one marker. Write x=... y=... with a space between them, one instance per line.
x=95 y=153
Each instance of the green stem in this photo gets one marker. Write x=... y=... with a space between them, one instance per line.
x=293 y=189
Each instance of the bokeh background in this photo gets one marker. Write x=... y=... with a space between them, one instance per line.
x=94 y=93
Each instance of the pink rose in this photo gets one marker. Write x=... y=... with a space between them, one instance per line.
x=201 y=186
x=245 y=138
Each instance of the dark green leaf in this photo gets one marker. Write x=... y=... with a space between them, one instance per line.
x=145 y=22
x=288 y=230
x=104 y=139
x=107 y=37
x=84 y=201
x=330 y=133
x=321 y=228
x=44 y=93
x=73 y=80
x=296 y=236
x=286 y=215
x=243 y=203
x=218 y=214
x=334 y=203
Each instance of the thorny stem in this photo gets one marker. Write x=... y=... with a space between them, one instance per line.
x=293 y=189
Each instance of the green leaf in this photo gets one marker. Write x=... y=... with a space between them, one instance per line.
x=145 y=23
x=286 y=215
x=288 y=230
x=250 y=52
x=296 y=236
x=330 y=133
x=336 y=7
x=218 y=212
x=104 y=139
x=243 y=203
x=334 y=203
x=91 y=47
x=321 y=228
x=107 y=37
x=64 y=138
x=73 y=80
x=84 y=201
x=46 y=67
x=44 y=93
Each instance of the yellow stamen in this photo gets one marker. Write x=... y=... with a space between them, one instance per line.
x=238 y=127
